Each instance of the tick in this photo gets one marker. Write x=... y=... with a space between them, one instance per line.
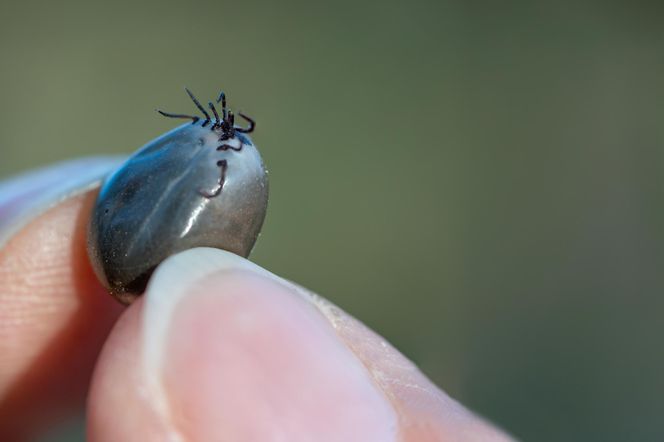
x=201 y=184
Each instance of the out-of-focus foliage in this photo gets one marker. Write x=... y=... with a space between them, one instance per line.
x=481 y=182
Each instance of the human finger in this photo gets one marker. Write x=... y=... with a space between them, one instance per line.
x=54 y=315
x=221 y=349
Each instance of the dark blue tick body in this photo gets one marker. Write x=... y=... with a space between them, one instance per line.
x=201 y=184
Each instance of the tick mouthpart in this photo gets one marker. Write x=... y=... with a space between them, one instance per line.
x=225 y=126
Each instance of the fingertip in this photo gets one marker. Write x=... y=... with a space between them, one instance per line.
x=221 y=349
x=239 y=356
x=248 y=355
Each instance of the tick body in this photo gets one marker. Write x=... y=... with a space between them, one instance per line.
x=201 y=184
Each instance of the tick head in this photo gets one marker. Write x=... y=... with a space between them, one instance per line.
x=224 y=125
x=224 y=121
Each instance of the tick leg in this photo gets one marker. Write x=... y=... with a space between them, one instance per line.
x=252 y=125
x=225 y=147
x=216 y=115
x=222 y=99
x=169 y=115
x=223 y=165
x=199 y=106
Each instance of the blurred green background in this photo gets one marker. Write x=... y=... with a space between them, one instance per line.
x=480 y=182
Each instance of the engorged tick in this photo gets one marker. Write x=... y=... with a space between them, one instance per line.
x=200 y=185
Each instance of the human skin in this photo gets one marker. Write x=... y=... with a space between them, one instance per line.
x=217 y=349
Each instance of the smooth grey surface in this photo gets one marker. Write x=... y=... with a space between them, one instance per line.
x=153 y=206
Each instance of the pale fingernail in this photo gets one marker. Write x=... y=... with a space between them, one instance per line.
x=231 y=351
x=24 y=197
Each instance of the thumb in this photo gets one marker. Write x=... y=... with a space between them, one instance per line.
x=220 y=349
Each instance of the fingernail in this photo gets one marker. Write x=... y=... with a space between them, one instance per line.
x=24 y=197
x=232 y=352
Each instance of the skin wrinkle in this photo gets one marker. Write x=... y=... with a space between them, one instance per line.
x=21 y=299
